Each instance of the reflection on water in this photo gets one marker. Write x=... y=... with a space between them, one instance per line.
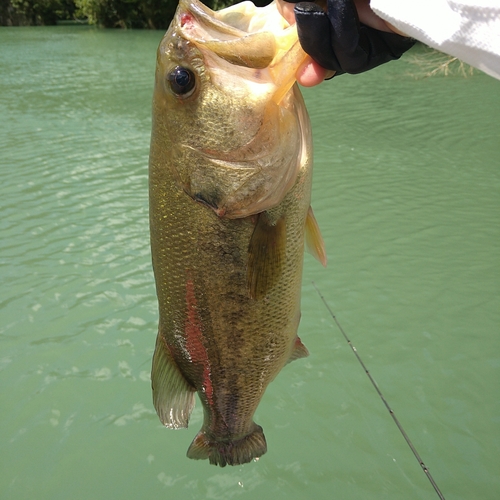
x=406 y=191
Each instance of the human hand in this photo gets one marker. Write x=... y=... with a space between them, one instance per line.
x=346 y=38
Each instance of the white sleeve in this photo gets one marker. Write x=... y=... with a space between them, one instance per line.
x=467 y=29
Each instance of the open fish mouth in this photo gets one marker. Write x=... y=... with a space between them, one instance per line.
x=244 y=35
x=230 y=34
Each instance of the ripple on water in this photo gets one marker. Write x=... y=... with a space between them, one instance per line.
x=406 y=191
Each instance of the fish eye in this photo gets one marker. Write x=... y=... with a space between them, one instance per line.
x=181 y=81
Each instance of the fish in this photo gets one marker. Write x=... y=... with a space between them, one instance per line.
x=230 y=175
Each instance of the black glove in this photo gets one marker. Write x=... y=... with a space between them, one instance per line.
x=337 y=40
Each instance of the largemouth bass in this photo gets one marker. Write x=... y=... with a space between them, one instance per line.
x=230 y=183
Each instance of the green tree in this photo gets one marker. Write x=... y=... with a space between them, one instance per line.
x=35 y=12
x=149 y=14
x=152 y=14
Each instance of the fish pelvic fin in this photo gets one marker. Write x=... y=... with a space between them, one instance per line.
x=299 y=350
x=314 y=240
x=229 y=452
x=266 y=254
x=173 y=396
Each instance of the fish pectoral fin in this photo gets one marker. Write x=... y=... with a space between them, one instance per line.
x=314 y=240
x=299 y=350
x=229 y=451
x=266 y=254
x=173 y=396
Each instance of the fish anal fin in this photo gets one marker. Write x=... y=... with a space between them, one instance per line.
x=266 y=255
x=173 y=396
x=299 y=350
x=229 y=452
x=314 y=240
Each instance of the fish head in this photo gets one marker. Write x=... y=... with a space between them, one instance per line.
x=226 y=114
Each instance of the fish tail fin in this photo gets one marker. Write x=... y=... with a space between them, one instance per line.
x=229 y=452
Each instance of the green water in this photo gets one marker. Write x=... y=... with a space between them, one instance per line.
x=407 y=193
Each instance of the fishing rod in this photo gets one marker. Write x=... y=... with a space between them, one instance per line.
x=389 y=409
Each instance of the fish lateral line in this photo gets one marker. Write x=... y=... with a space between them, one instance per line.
x=424 y=468
x=194 y=340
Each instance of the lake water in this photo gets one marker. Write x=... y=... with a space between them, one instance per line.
x=407 y=193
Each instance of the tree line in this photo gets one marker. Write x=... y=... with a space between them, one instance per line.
x=139 y=14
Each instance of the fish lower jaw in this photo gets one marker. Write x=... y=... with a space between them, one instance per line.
x=228 y=451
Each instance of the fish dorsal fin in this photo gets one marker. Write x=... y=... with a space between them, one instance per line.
x=266 y=254
x=299 y=351
x=314 y=240
x=173 y=396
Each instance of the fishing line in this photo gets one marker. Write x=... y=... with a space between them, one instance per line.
x=389 y=409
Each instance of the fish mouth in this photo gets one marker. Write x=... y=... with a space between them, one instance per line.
x=245 y=35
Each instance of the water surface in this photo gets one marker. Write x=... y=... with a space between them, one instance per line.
x=407 y=193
